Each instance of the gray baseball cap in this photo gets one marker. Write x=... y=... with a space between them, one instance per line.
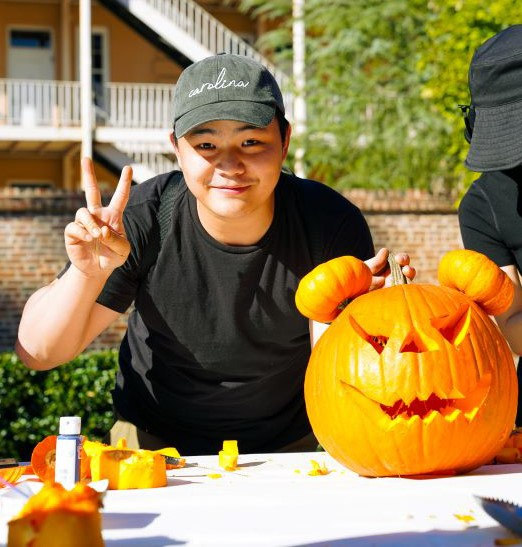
x=225 y=87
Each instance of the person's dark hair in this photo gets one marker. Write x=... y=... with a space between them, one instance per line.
x=468 y=113
x=281 y=121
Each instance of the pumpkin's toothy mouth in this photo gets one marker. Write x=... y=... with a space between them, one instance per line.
x=432 y=406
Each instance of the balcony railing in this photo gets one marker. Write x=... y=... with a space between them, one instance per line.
x=57 y=103
x=210 y=32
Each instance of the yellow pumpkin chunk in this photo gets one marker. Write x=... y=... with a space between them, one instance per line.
x=126 y=468
x=227 y=457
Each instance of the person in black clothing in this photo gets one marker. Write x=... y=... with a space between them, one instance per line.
x=490 y=214
x=215 y=348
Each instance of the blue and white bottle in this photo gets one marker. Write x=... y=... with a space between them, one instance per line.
x=68 y=449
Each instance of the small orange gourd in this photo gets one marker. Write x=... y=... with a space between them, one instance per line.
x=479 y=277
x=322 y=293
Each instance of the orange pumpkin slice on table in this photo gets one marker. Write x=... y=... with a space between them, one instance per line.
x=126 y=468
x=44 y=456
x=12 y=474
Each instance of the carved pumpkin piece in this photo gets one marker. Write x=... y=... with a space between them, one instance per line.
x=126 y=468
x=411 y=379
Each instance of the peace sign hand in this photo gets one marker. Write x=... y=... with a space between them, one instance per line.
x=96 y=242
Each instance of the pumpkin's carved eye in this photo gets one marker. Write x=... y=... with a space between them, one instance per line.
x=377 y=341
x=455 y=326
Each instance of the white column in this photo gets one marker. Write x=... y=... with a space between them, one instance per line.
x=298 y=34
x=86 y=77
x=66 y=39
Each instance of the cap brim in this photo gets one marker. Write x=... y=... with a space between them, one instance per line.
x=258 y=114
x=496 y=142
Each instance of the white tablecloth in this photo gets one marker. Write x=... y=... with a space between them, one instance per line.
x=271 y=500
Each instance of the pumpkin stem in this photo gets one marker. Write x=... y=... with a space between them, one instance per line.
x=398 y=278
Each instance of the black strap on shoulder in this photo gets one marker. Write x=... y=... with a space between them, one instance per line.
x=171 y=191
x=307 y=205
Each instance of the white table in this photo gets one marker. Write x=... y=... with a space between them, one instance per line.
x=267 y=502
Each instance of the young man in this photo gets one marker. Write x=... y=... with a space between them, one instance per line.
x=215 y=348
x=490 y=213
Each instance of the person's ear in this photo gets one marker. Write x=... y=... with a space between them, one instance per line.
x=286 y=142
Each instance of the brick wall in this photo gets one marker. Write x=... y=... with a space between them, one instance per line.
x=32 y=250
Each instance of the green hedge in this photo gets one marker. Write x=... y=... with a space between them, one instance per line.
x=31 y=402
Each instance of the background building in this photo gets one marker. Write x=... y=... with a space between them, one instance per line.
x=139 y=47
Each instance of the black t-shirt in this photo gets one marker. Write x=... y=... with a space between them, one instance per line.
x=490 y=217
x=215 y=348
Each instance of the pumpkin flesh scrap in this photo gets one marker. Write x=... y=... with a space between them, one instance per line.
x=56 y=516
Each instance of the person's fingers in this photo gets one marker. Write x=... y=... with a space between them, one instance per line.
x=402 y=259
x=115 y=242
x=75 y=232
x=379 y=262
x=409 y=271
x=92 y=192
x=377 y=282
x=88 y=221
x=121 y=195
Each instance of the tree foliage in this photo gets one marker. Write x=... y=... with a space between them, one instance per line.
x=383 y=83
x=454 y=31
x=31 y=402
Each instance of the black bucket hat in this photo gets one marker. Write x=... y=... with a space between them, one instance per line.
x=495 y=83
x=225 y=87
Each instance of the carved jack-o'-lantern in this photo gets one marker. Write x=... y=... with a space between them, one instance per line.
x=415 y=378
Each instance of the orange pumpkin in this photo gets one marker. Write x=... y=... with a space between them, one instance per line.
x=43 y=459
x=412 y=379
x=56 y=516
